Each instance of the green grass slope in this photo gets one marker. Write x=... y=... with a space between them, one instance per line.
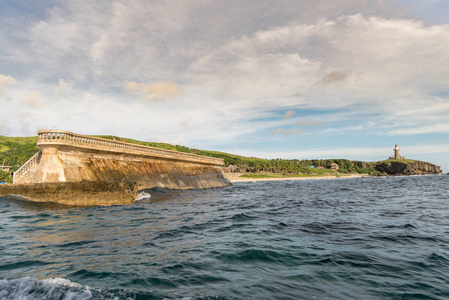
x=15 y=151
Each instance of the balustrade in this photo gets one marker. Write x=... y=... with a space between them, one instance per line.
x=55 y=136
x=27 y=166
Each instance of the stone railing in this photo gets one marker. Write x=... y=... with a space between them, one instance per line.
x=27 y=166
x=47 y=137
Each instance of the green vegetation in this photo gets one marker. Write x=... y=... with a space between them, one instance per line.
x=151 y=144
x=5 y=177
x=288 y=176
x=15 y=151
x=407 y=161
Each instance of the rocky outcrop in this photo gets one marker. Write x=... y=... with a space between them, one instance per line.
x=87 y=193
x=398 y=167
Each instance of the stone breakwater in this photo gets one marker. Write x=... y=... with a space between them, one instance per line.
x=87 y=193
x=68 y=159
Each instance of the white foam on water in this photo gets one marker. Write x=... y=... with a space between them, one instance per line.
x=143 y=195
x=27 y=288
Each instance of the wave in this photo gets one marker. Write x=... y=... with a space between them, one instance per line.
x=62 y=288
x=50 y=288
x=143 y=196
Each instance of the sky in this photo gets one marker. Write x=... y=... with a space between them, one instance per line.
x=303 y=79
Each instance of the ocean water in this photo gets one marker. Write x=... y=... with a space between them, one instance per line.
x=361 y=238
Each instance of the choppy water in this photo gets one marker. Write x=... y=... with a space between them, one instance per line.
x=362 y=238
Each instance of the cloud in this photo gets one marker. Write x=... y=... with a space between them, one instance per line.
x=185 y=124
x=5 y=81
x=333 y=77
x=376 y=62
x=309 y=123
x=4 y=128
x=180 y=141
x=287 y=132
x=63 y=86
x=33 y=99
x=157 y=91
x=289 y=114
x=434 y=128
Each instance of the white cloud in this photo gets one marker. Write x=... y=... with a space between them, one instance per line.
x=5 y=81
x=180 y=141
x=434 y=128
x=33 y=99
x=309 y=123
x=4 y=128
x=157 y=91
x=63 y=86
x=287 y=132
x=360 y=56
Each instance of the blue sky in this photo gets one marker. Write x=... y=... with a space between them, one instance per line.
x=285 y=79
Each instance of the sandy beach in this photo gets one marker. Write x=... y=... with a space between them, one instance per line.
x=236 y=177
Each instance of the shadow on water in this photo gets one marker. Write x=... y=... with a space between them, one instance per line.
x=25 y=204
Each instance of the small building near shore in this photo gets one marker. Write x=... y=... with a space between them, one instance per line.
x=335 y=167
x=5 y=168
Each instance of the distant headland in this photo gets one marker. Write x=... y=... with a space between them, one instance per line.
x=393 y=166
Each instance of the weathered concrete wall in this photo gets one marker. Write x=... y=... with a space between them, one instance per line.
x=74 y=158
x=71 y=164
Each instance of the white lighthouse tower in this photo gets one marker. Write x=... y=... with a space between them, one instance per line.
x=396 y=153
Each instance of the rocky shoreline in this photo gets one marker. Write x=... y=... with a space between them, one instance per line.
x=386 y=168
x=86 y=193
x=397 y=167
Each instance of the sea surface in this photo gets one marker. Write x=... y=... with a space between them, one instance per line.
x=360 y=238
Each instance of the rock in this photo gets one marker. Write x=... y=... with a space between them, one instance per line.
x=407 y=168
x=85 y=193
x=232 y=169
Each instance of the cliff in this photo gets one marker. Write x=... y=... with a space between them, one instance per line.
x=406 y=167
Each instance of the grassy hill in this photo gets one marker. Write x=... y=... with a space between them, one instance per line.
x=14 y=152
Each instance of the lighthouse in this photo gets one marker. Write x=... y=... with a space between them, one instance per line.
x=396 y=153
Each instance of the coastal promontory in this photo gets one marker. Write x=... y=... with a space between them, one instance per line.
x=407 y=167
